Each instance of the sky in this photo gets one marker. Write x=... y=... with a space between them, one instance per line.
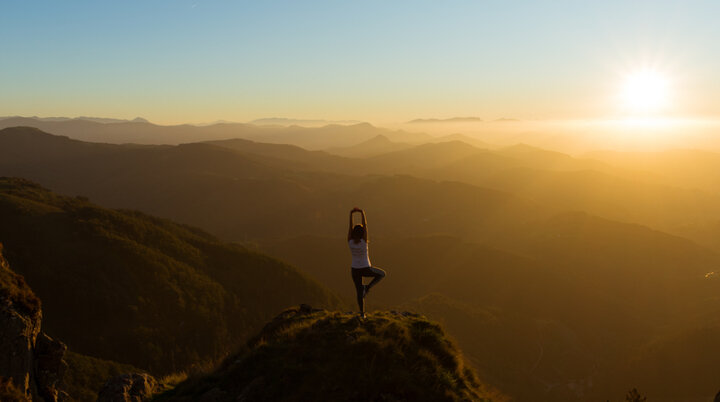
x=177 y=61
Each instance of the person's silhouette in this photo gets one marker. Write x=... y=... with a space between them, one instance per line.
x=360 y=266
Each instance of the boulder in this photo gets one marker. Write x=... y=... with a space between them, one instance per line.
x=17 y=340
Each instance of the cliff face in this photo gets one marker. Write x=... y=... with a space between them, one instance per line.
x=314 y=354
x=28 y=357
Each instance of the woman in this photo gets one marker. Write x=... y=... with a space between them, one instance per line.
x=361 y=267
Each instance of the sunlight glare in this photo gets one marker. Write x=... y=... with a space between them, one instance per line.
x=646 y=92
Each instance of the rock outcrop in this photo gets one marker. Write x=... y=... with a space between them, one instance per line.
x=29 y=358
x=134 y=387
x=50 y=367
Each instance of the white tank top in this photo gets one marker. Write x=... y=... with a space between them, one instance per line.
x=359 y=251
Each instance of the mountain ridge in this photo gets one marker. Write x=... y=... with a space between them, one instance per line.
x=448 y=120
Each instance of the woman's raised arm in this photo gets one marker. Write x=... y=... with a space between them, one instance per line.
x=350 y=225
x=364 y=223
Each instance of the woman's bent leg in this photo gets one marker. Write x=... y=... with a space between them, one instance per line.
x=377 y=274
x=357 y=280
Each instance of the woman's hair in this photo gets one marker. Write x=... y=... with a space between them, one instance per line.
x=358 y=232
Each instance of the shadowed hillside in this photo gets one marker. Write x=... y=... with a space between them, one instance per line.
x=313 y=355
x=132 y=288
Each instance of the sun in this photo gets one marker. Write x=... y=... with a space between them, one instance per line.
x=646 y=92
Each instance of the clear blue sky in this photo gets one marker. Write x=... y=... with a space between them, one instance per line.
x=202 y=60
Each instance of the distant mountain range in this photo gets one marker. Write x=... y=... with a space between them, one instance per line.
x=458 y=120
x=172 y=181
x=466 y=139
x=281 y=121
x=449 y=120
x=102 y=120
x=375 y=146
x=234 y=189
x=142 y=132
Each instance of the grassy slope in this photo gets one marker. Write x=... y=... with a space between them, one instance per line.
x=128 y=287
x=321 y=355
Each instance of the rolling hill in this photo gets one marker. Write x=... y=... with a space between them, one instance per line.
x=136 y=289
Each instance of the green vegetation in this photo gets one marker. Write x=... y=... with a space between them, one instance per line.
x=311 y=354
x=136 y=289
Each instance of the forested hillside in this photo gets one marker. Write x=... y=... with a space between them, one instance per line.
x=132 y=288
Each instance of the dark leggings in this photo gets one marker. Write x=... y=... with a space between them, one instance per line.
x=357 y=274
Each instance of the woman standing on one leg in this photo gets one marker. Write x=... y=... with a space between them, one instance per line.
x=361 y=267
